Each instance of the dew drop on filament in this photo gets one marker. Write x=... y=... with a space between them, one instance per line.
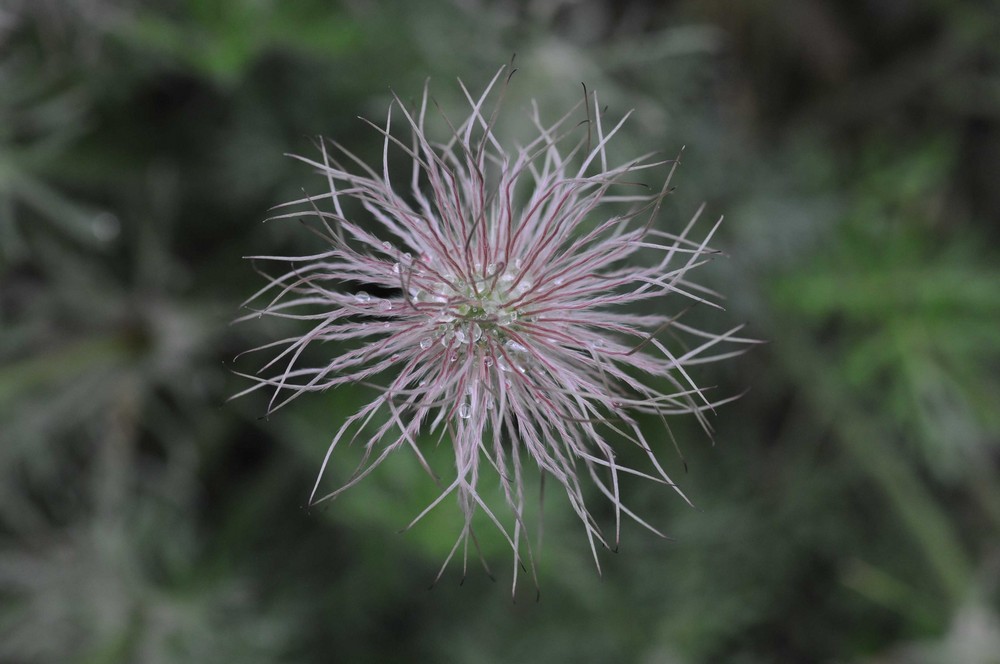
x=515 y=347
x=506 y=317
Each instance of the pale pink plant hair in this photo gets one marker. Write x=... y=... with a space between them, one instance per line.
x=503 y=310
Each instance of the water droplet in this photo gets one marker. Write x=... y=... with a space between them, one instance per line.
x=446 y=318
x=506 y=317
x=395 y=268
x=387 y=246
x=502 y=364
x=362 y=297
x=476 y=332
x=394 y=357
x=407 y=257
x=425 y=343
x=464 y=410
x=488 y=361
x=454 y=357
x=506 y=278
x=491 y=269
x=460 y=336
x=559 y=282
x=423 y=382
x=384 y=305
x=489 y=404
x=515 y=347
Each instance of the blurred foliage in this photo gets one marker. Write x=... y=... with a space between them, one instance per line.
x=849 y=509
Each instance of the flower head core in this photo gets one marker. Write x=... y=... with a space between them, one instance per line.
x=522 y=304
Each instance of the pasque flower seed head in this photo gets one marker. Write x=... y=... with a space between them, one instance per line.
x=518 y=302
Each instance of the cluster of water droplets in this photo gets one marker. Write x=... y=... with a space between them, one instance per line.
x=475 y=314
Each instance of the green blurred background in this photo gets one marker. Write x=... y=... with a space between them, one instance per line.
x=848 y=510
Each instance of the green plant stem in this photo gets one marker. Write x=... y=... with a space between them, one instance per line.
x=863 y=437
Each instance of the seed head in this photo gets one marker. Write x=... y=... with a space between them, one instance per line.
x=519 y=303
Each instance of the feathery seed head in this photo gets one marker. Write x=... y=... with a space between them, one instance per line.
x=501 y=307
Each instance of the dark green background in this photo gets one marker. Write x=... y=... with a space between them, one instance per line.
x=848 y=510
